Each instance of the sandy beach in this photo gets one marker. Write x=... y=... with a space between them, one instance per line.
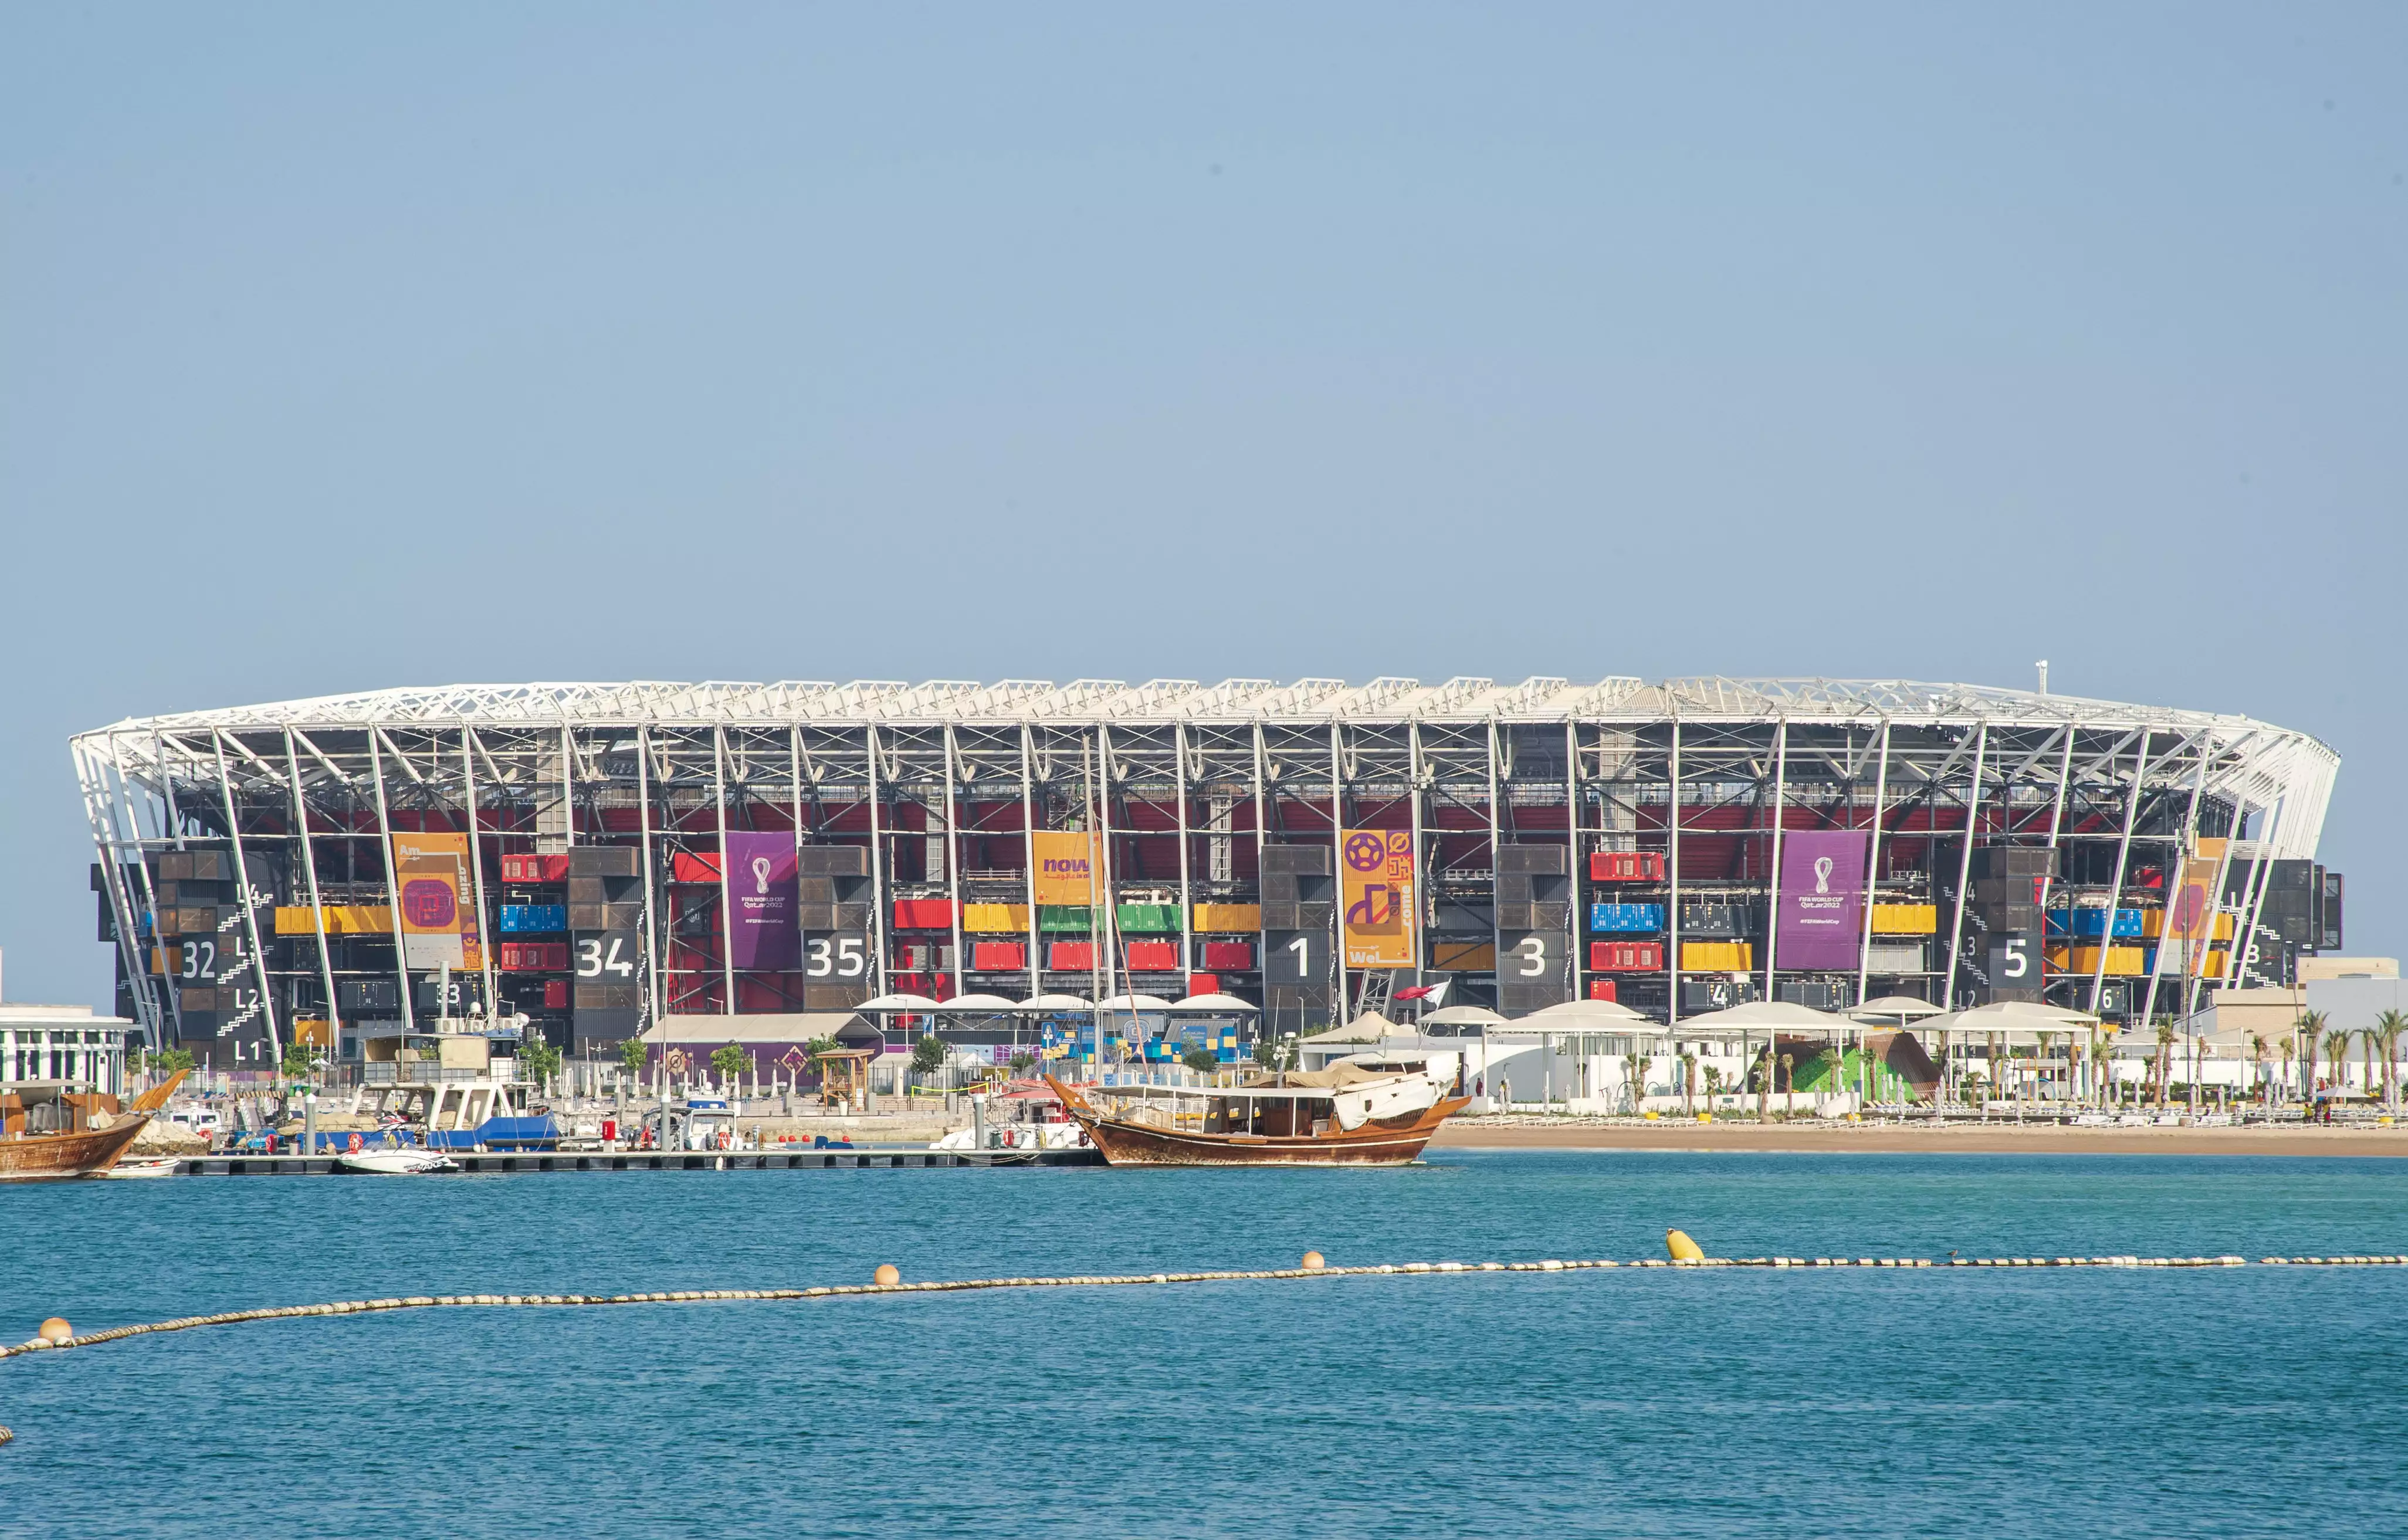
x=1917 y=1138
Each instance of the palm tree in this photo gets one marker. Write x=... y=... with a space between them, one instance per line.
x=1790 y=1077
x=1688 y=1084
x=2258 y=1058
x=2165 y=1056
x=2337 y=1055
x=2100 y=1060
x=2310 y=1025
x=2388 y=1026
x=1634 y=1069
x=2286 y=1046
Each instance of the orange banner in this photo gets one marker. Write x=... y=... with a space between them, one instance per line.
x=2190 y=909
x=432 y=871
x=1377 y=873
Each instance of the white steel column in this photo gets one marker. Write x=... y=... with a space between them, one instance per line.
x=317 y=905
x=644 y=835
x=726 y=872
x=1028 y=838
x=1337 y=865
x=1578 y=927
x=1187 y=958
x=391 y=882
x=1772 y=878
x=877 y=897
x=953 y=858
x=1964 y=860
x=1872 y=867
x=92 y=782
x=2182 y=859
x=1672 y=881
x=2116 y=892
x=477 y=874
x=250 y=915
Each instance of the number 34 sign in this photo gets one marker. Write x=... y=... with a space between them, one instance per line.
x=608 y=957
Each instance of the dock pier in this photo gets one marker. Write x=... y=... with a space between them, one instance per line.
x=672 y=1159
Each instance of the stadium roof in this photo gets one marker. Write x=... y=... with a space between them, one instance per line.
x=1310 y=700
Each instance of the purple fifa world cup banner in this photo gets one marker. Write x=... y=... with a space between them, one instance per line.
x=1820 y=919
x=761 y=899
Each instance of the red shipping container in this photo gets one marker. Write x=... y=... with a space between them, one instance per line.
x=1626 y=866
x=1600 y=988
x=1626 y=956
x=923 y=914
x=1235 y=956
x=1203 y=983
x=1154 y=956
x=1066 y=955
x=555 y=994
x=998 y=956
x=687 y=867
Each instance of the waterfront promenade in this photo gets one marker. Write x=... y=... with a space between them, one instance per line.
x=1955 y=1137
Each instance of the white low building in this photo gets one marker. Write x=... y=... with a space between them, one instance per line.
x=62 y=1043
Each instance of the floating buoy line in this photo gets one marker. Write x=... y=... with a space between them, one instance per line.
x=57 y=1335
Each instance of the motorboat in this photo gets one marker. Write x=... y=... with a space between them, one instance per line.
x=395 y=1163
x=1369 y=1109
x=136 y=1168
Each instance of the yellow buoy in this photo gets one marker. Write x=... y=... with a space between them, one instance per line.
x=1681 y=1248
x=1314 y=1262
x=57 y=1330
x=888 y=1273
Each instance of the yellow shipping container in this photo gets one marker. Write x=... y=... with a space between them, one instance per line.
x=2153 y=925
x=2122 y=961
x=1906 y=919
x=341 y=920
x=1230 y=917
x=995 y=917
x=1717 y=956
x=1459 y=956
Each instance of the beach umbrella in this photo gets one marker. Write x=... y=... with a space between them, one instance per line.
x=1608 y=1014
x=1463 y=1016
x=1046 y=1003
x=912 y=1003
x=1901 y=1007
x=1133 y=1002
x=970 y=1004
x=1214 y=1004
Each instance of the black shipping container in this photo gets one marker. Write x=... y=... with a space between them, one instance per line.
x=368 y=994
x=2005 y=860
x=1299 y=859
x=834 y=860
x=595 y=860
x=1708 y=921
x=1547 y=860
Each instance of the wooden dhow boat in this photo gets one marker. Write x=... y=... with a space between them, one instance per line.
x=49 y=1130
x=1367 y=1110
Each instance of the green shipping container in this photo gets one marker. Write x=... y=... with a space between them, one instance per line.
x=1063 y=917
x=1149 y=918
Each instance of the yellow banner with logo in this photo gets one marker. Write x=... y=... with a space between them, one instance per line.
x=1376 y=884
x=1065 y=866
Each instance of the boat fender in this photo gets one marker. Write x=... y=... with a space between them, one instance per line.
x=1681 y=1248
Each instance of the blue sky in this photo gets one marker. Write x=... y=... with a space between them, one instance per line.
x=347 y=347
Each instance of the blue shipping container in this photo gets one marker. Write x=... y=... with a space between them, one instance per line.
x=1648 y=917
x=2089 y=924
x=534 y=919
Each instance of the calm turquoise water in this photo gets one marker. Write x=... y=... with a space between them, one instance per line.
x=2200 y=1402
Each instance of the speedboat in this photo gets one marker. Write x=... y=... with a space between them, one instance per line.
x=138 y=1166
x=395 y=1163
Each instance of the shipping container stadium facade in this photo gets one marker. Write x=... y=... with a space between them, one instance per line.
x=557 y=849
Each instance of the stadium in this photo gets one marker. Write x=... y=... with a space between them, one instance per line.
x=1314 y=849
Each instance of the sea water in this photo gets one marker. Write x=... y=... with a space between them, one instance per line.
x=2248 y=1400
